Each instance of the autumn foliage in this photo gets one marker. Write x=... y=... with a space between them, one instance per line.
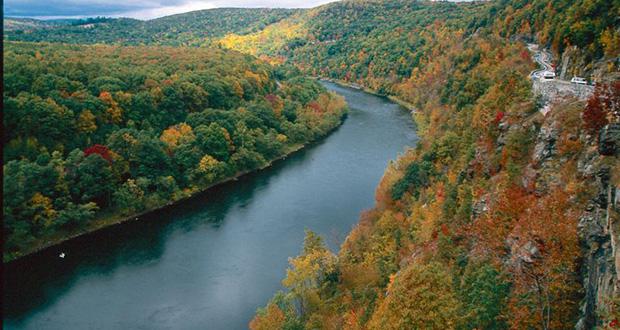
x=164 y=122
x=603 y=107
x=100 y=150
x=465 y=233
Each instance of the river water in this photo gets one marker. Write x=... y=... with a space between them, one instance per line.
x=209 y=262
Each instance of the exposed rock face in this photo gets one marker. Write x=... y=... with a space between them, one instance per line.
x=599 y=266
x=598 y=229
x=530 y=178
x=545 y=144
x=522 y=254
x=598 y=225
x=574 y=63
x=609 y=140
x=480 y=206
x=599 y=271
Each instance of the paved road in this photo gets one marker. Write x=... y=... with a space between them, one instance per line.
x=543 y=58
x=553 y=89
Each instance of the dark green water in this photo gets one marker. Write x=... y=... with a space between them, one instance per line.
x=210 y=262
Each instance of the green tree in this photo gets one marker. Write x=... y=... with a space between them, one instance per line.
x=91 y=179
x=483 y=294
x=214 y=140
x=129 y=197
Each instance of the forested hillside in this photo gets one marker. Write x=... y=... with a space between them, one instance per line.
x=15 y=24
x=590 y=25
x=194 y=28
x=92 y=133
x=502 y=217
x=379 y=44
x=374 y=43
x=343 y=39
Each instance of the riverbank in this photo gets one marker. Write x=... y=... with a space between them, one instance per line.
x=108 y=219
x=214 y=259
x=368 y=90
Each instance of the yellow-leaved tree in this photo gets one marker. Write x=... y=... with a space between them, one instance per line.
x=208 y=171
x=308 y=275
x=418 y=297
x=177 y=134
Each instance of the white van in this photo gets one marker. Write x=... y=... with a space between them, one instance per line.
x=579 y=81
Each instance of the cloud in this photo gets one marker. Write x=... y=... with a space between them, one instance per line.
x=141 y=9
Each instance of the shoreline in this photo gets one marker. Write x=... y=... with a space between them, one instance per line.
x=104 y=223
x=368 y=90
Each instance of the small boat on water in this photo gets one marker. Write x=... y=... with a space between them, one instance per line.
x=62 y=254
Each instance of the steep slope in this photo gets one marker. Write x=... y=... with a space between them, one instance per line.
x=502 y=217
x=379 y=43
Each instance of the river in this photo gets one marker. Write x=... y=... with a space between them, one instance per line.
x=209 y=262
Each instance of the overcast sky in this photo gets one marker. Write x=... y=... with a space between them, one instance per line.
x=141 y=9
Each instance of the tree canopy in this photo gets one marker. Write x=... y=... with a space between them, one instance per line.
x=92 y=130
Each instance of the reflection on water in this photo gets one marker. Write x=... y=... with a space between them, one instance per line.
x=211 y=261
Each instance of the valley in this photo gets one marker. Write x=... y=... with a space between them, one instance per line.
x=503 y=214
x=215 y=258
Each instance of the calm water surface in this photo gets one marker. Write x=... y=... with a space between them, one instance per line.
x=210 y=262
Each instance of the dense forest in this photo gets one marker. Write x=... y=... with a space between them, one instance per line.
x=376 y=43
x=21 y=24
x=482 y=225
x=92 y=133
x=379 y=44
x=195 y=28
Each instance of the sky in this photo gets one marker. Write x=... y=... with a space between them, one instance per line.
x=140 y=9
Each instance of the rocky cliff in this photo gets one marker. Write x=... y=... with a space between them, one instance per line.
x=598 y=229
x=597 y=168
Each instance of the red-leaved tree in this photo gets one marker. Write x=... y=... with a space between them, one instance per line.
x=99 y=149
x=603 y=107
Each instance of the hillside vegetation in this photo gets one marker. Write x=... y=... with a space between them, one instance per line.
x=20 y=24
x=195 y=28
x=380 y=44
x=487 y=223
x=92 y=133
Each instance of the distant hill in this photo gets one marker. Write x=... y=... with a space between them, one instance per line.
x=182 y=29
x=380 y=43
x=374 y=43
x=17 y=23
